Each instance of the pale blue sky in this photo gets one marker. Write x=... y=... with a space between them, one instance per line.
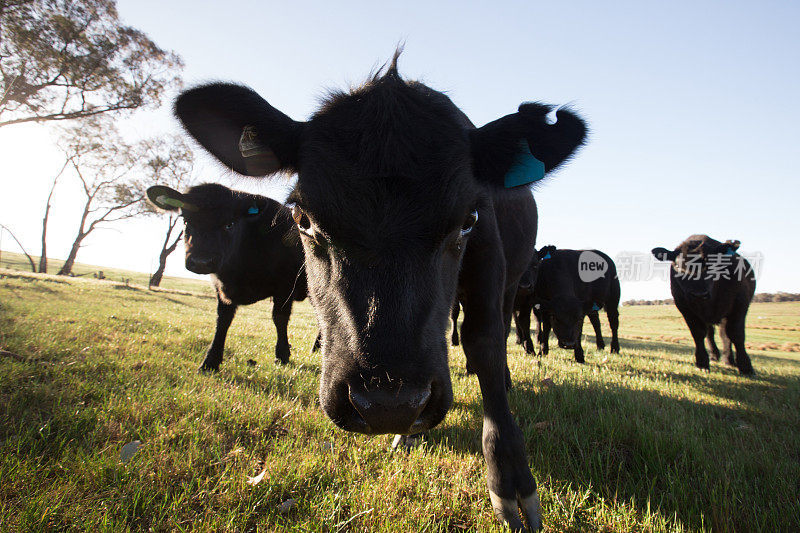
x=693 y=106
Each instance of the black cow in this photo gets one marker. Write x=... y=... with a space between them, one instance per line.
x=524 y=305
x=397 y=193
x=250 y=246
x=571 y=285
x=712 y=284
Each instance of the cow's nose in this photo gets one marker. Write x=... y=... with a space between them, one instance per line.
x=391 y=411
x=201 y=265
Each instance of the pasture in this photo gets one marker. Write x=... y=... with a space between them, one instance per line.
x=640 y=441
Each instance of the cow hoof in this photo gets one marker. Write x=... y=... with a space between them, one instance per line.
x=282 y=354
x=208 y=368
x=601 y=346
x=507 y=511
x=715 y=357
x=614 y=349
x=528 y=347
x=747 y=371
x=408 y=442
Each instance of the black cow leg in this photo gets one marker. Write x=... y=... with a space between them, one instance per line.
x=508 y=311
x=281 y=310
x=613 y=322
x=699 y=330
x=544 y=336
x=594 y=318
x=735 y=327
x=225 y=314
x=454 y=316
x=727 y=353
x=511 y=485
x=522 y=320
x=712 y=345
x=578 y=342
x=317 y=343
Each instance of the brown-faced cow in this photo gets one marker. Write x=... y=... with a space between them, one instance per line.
x=249 y=245
x=571 y=285
x=712 y=284
x=400 y=200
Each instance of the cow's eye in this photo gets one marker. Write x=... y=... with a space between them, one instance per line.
x=469 y=223
x=229 y=226
x=301 y=219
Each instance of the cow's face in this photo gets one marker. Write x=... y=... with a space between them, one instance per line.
x=214 y=217
x=565 y=314
x=698 y=263
x=392 y=182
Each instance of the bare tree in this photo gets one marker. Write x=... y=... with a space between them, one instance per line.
x=166 y=161
x=103 y=163
x=65 y=59
x=30 y=259
x=43 y=256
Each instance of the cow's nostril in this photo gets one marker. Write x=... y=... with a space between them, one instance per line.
x=390 y=411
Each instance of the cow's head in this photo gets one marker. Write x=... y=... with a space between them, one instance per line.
x=392 y=179
x=694 y=262
x=565 y=313
x=214 y=217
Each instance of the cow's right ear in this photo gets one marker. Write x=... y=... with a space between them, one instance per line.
x=165 y=198
x=240 y=128
x=546 y=252
x=521 y=148
x=662 y=254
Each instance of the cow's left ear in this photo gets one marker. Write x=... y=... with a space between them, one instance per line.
x=662 y=254
x=521 y=148
x=240 y=128
x=167 y=198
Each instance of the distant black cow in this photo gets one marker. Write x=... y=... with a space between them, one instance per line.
x=571 y=285
x=249 y=244
x=712 y=284
x=400 y=202
x=524 y=304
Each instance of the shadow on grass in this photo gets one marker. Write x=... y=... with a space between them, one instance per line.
x=682 y=458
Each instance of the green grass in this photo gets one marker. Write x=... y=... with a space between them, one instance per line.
x=15 y=261
x=640 y=441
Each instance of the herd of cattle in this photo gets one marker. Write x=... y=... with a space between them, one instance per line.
x=403 y=214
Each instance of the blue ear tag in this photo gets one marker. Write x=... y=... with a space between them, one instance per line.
x=595 y=307
x=546 y=257
x=526 y=169
x=252 y=211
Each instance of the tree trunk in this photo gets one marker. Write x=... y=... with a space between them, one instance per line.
x=43 y=256
x=30 y=259
x=166 y=250
x=66 y=268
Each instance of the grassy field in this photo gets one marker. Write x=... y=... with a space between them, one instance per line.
x=640 y=441
x=15 y=261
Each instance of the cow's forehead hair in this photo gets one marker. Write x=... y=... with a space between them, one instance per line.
x=387 y=149
x=697 y=244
